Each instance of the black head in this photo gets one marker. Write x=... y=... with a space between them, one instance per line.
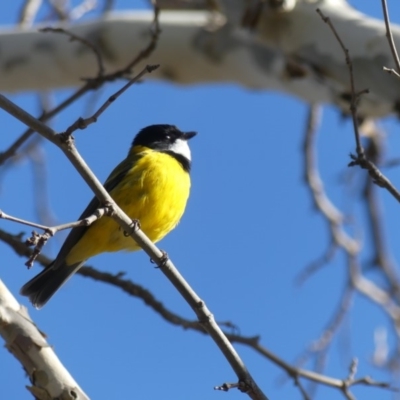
x=160 y=137
x=168 y=139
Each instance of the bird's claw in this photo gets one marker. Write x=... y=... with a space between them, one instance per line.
x=162 y=261
x=133 y=227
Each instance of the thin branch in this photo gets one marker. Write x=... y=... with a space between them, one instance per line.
x=317 y=264
x=91 y=84
x=381 y=257
x=11 y=151
x=354 y=96
x=389 y=36
x=146 y=52
x=310 y=375
x=352 y=381
x=336 y=320
x=84 y=41
x=54 y=229
x=319 y=347
x=360 y=158
x=303 y=391
x=136 y=290
x=328 y=210
x=334 y=218
x=353 y=369
x=374 y=292
x=83 y=123
x=40 y=240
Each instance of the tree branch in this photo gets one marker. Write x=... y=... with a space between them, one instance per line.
x=65 y=143
x=49 y=378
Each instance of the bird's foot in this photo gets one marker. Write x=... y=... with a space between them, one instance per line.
x=162 y=261
x=133 y=227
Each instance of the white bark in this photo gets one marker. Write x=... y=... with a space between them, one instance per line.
x=49 y=378
x=292 y=51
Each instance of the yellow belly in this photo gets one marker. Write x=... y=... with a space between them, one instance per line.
x=154 y=191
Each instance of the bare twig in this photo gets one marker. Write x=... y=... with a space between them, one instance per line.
x=389 y=36
x=336 y=321
x=391 y=71
x=354 y=95
x=147 y=51
x=317 y=264
x=83 y=123
x=11 y=151
x=360 y=158
x=322 y=203
x=84 y=41
x=373 y=292
x=352 y=370
x=311 y=375
x=298 y=383
x=91 y=84
x=335 y=219
x=319 y=347
x=54 y=229
x=39 y=240
x=375 y=218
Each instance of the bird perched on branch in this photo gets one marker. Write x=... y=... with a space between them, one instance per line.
x=151 y=185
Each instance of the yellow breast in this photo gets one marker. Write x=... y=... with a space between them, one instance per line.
x=154 y=191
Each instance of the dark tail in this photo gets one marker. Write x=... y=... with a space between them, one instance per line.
x=42 y=287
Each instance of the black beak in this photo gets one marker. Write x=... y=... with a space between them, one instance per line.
x=189 y=135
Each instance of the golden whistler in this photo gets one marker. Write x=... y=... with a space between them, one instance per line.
x=151 y=185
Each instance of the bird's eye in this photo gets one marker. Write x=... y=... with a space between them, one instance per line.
x=168 y=137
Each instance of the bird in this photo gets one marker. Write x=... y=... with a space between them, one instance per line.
x=151 y=185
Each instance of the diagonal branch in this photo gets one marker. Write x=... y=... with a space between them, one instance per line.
x=66 y=144
x=136 y=290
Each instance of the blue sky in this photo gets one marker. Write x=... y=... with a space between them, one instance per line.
x=248 y=231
